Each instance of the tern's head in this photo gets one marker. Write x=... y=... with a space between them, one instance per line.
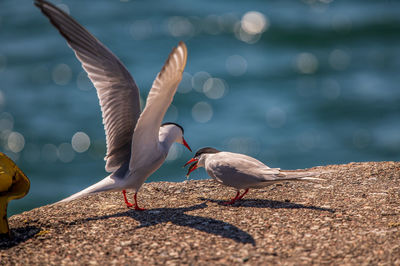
x=177 y=131
x=205 y=150
x=198 y=159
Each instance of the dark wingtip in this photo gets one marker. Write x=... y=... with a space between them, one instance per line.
x=38 y=3
x=44 y=6
x=41 y=3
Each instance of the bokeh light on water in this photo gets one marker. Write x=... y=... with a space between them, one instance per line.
x=199 y=79
x=254 y=22
x=251 y=27
x=202 y=112
x=180 y=27
x=61 y=74
x=236 y=65
x=65 y=152
x=214 y=88
x=307 y=63
x=16 y=142
x=80 y=142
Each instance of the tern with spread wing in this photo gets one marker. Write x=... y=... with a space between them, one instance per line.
x=137 y=143
x=241 y=171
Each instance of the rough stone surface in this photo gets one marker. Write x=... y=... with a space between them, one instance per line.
x=351 y=218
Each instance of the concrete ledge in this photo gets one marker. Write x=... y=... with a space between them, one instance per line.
x=353 y=217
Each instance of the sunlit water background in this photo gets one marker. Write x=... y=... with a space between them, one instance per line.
x=295 y=84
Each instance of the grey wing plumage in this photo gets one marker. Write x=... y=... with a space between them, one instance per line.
x=243 y=157
x=159 y=99
x=116 y=89
x=237 y=170
x=241 y=171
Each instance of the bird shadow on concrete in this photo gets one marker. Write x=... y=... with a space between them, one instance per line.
x=18 y=235
x=273 y=204
x=178 y=217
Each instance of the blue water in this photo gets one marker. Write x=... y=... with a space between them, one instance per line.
x=317 y=83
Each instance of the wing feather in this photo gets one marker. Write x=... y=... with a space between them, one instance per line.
x=116 y=89
x=238 y=170
x=157 y=103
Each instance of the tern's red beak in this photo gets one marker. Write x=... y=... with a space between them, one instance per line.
x=185 y=144
x=192 y=167
x=191 y=161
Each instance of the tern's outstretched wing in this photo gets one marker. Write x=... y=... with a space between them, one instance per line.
x=116 y=89
x=159 y=99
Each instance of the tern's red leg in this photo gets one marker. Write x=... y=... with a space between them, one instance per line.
x=128 y=204
x=136 y=205
x=244 y=193
x=233 y=200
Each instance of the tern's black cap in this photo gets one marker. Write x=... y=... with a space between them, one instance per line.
x=172 y=123
x=206 y=150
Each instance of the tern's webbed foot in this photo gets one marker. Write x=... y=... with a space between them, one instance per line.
x=233 y=200
x=128 y=204
x=137 y=208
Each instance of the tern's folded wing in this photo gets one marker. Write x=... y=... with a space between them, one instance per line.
x=116 y=89
x=238 y=170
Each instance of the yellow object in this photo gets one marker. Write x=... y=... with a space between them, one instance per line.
x=43 y=232
x=14 y=184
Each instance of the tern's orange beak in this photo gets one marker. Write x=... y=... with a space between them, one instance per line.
x=185 y=144
x=191 y=167
x=191 y=161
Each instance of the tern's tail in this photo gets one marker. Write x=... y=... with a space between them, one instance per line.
x=106 y=184
x=301 y=176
